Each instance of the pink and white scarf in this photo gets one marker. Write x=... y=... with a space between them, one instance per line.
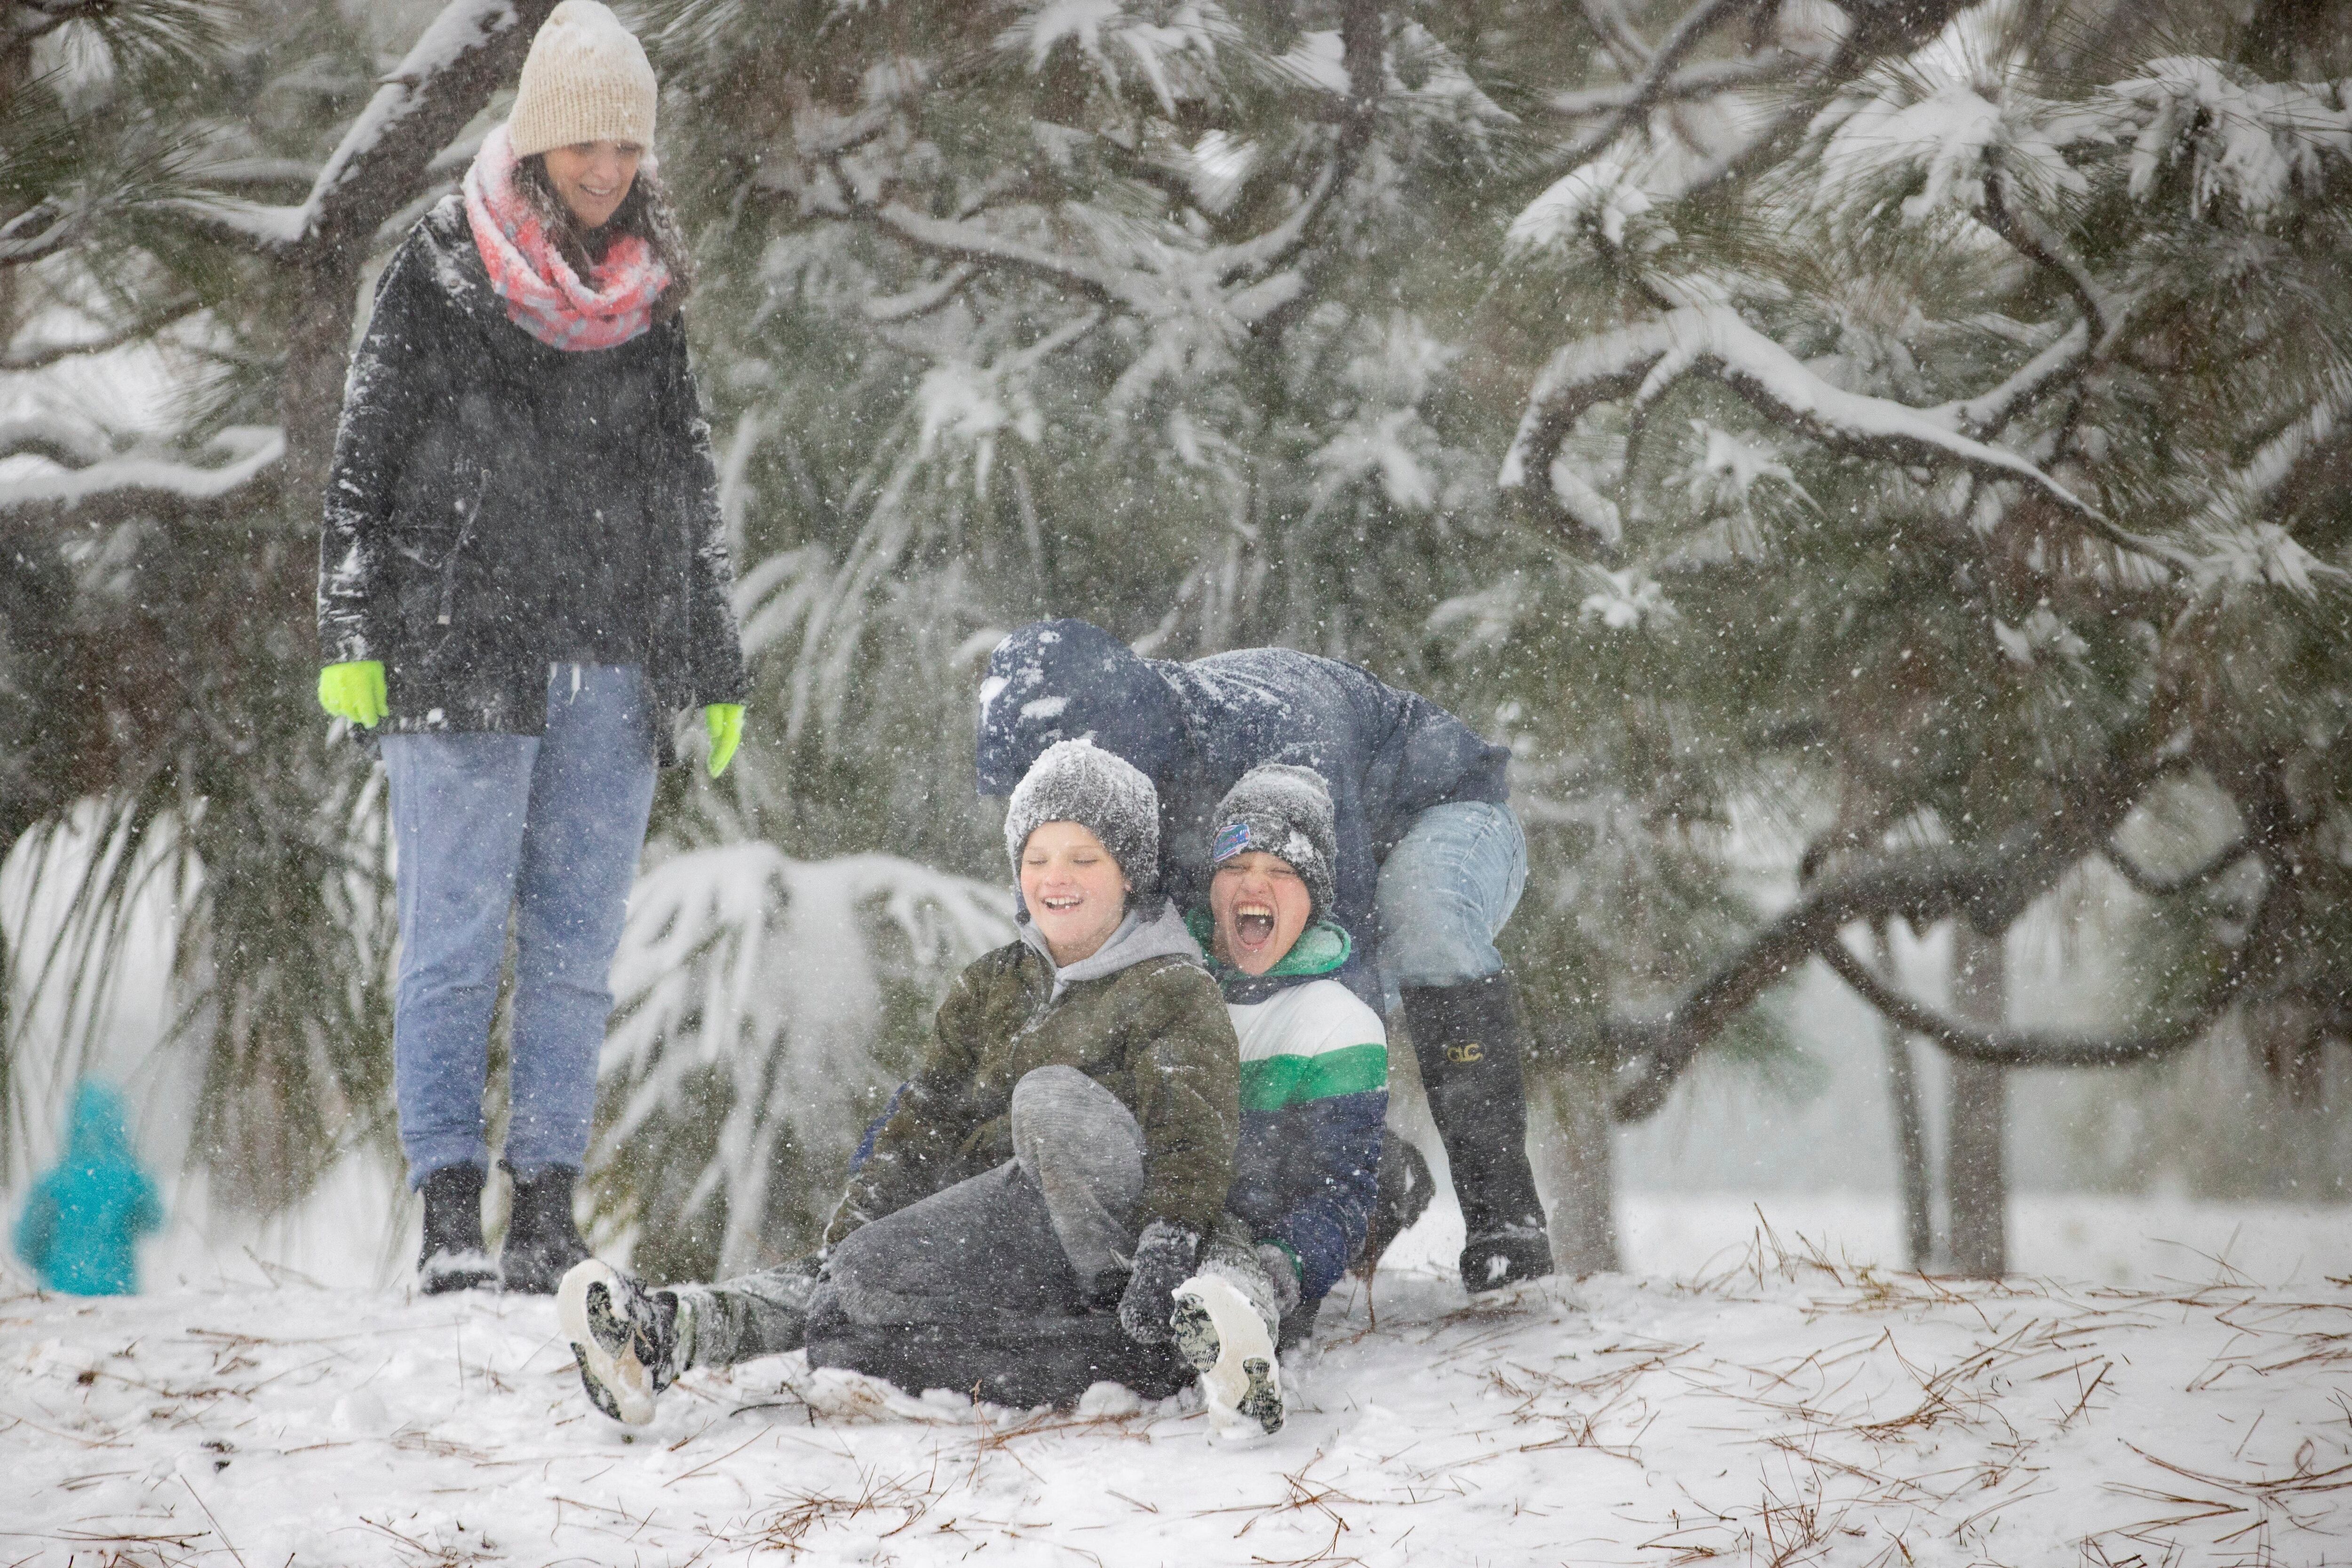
x=542 y=294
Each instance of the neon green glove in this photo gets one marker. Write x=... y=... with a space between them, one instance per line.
x=725 y=722
x=354 y=691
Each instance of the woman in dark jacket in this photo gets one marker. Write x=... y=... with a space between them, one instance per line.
x=522 y=578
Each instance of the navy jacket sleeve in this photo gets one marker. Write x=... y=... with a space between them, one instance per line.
x=1340 y=1137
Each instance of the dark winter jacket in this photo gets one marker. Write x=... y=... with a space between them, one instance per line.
x=1315 y=1093
x=1195 y=729
x=498 y=505
x=1141 y=1017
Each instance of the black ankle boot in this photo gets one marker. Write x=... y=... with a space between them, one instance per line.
x=542 y=1243
x=453 y=1258
x=1466 y=1039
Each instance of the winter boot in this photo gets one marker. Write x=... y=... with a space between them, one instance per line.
x=630 y=1343
x=542 y=1243
x=1226 y=1331
x=1466 y=1039
x=453 y=1258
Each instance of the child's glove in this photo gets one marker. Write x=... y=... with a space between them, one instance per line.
x=1163 y=1260
x=725 y=722
x=355 y=692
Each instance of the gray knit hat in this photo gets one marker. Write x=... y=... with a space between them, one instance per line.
x=1077 y=781
x=585 y=79
x=1284 y=810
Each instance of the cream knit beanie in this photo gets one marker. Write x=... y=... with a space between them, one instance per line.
x=586 y=80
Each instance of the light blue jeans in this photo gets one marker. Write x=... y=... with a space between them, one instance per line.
x=1445 y=893
x=548 y=826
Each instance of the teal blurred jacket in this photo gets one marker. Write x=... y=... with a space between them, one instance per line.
x=80 y=1228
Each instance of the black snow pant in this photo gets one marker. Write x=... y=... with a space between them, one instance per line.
x=1002 y=1285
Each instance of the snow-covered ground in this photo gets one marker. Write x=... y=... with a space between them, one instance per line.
x=1776 y=1403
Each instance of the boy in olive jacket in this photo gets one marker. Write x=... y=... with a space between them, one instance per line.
x=1065 y=1149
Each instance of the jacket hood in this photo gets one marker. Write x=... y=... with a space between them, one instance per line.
x=100 y=1138
x=1068 y=679
x=1152 y=930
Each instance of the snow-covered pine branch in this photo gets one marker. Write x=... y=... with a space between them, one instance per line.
x=972 y=244
x=1641 y=361
x=1173 y=275
x=1985 y=415
x=94 y=482
x=466 y=51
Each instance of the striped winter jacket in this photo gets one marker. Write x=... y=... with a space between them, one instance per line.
x=1315 y=1092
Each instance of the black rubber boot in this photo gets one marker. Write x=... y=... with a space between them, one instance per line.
x=1466 y=1039
x=542 y=1243
x=453 y=1258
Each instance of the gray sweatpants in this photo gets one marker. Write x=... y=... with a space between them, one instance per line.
x=1047 y=1233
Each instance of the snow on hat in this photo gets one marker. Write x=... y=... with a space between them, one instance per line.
x=1284 y=810
x=585 y=79
x=1077 y=781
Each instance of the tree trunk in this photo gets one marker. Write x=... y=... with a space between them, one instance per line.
x=1976 y=1179
x=1910 y=1133
x=1568 y=1142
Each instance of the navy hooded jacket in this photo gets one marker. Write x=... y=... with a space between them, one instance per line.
x=1196 y=728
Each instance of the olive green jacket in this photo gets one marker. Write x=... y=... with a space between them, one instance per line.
x=1141 y=1017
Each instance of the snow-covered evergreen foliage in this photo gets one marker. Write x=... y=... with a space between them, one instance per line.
x=1981 y=446
x=1903 y=430
x=757 y=999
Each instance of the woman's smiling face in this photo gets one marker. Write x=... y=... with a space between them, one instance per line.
x=593 y=177
x=1260 y=905
x=1075 y=890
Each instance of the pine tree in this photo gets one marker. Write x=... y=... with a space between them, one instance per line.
x=1985 y=444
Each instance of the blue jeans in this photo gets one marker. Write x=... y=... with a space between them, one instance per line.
x=549 y=826
x=1445 y=892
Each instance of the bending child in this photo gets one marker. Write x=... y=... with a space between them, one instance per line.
x=1042 y=1208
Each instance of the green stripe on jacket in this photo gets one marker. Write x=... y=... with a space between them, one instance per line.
x=1277 y=1081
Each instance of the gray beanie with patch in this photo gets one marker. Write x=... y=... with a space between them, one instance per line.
x=1284 y=810
x=1077 y=781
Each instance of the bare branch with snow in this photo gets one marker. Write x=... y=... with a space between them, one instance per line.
x=1987 y=887
x=890 y=309
x=67 y=443
x=2027 y=1047
x=1631 y=50
x=1695 y=24
x=39 y=231
x=40 y=356
x=1764 y=69
x=2032 y=239
x=2156 y=887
